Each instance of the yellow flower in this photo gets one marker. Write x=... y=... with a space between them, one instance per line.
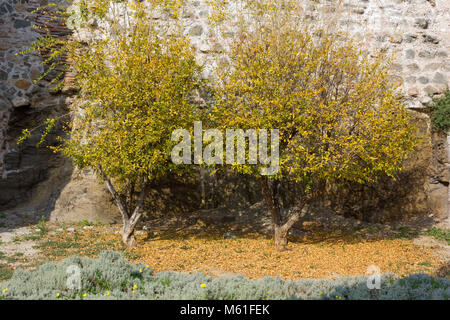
x=84 y=294
x=268 y=291
x=107 y=293
x=147 y=266
x=58 y=294
x=203 y=285
x=134 y=287
x=140 y=270
x=4 y=290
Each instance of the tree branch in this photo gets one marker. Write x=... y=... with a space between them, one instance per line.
x=298 y=212
x=268 y=197
x=137 y=213
x=122 y=209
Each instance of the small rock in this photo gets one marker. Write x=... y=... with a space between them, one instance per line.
x=229 y=235
x=410 y=79
x=204 y=47
x=335 y=276
x=426 y=54
x=421 y=23
x=410 y=38
x=20 y=102
x=19 y=24
x=396 y=80
x=22 y=84
x=187 y=14
x=430 y=39
x=410 y=54
x=35 y=74
x=156 y=14
x=397 y=67
x=431 y=90
x=432 y=66
x=396 y=38
x=413 y=92
x=71 y=230
x=92 y=22
x=423 y=80
x=413 y=67
x=196 y=31
x=439 y=78
x=426 y=100
x=3 y=75
x=217 y=47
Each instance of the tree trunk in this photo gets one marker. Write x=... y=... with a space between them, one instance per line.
x=279 y=234
x=280 y=229
x=128 y=237
x=280 y=237
x=129 y=222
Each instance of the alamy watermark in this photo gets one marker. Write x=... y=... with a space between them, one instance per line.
x=374 y=277
x=74 y=277
x=235 y=147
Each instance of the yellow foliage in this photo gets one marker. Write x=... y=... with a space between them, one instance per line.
x=136 y=86
x=338 y=115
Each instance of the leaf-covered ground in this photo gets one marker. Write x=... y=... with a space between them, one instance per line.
x=323 y=254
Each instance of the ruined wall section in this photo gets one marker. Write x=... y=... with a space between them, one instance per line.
x=26 y=105
x=417 y=30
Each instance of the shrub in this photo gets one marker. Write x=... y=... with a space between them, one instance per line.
x=440 y=234
x=441 y=112
x=111 y=276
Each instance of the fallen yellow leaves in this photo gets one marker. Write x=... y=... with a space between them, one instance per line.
x=254 y=256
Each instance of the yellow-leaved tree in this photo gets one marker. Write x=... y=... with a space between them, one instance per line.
x=136 y=79
x=337 y=112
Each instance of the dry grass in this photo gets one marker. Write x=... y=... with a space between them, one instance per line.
x=253 y=255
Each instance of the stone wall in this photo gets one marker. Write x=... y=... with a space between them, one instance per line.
x=418 y=31
x=29 y=176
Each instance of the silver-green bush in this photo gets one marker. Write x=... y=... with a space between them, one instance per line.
x=111 y=276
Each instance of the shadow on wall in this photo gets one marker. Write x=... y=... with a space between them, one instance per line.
x=33 y=176
x=40 y=183
x=419 y=194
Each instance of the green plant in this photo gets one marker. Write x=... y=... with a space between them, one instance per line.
x=441 y=112
x=440 y=234
x=42 y=227
x=425 y=264
x=86 y=223
x=405 y=232
x=5 y=272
